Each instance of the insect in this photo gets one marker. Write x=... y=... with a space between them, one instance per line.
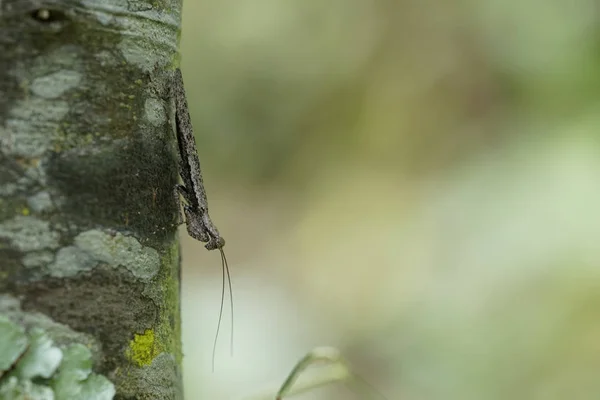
x=198 y=222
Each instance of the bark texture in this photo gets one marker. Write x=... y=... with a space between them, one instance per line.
x=89 y=257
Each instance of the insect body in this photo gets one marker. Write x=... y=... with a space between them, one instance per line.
x=198 y=222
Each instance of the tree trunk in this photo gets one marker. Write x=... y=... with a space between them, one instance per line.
x=89 y=257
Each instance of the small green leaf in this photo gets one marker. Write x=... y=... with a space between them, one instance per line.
x=41 y=359
x=75 y=380
x=13 y=343
x=13 y=389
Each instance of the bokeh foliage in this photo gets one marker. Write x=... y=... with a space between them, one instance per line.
x=440 y=164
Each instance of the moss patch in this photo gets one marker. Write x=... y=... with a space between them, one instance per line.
x=169 y=326
x=142 y=349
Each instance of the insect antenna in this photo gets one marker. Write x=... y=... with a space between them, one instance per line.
x=225 y=269
x=224 y=263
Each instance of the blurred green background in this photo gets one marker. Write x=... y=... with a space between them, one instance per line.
x=415 y=182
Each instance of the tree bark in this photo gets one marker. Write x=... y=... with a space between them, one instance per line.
x=89 y=257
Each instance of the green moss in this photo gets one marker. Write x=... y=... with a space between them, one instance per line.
x=156 y=354
x=142 y=349
x=165 y=293
x=165 y=337
x=170 y=322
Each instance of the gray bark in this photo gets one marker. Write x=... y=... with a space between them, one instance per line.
x=89 y=257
